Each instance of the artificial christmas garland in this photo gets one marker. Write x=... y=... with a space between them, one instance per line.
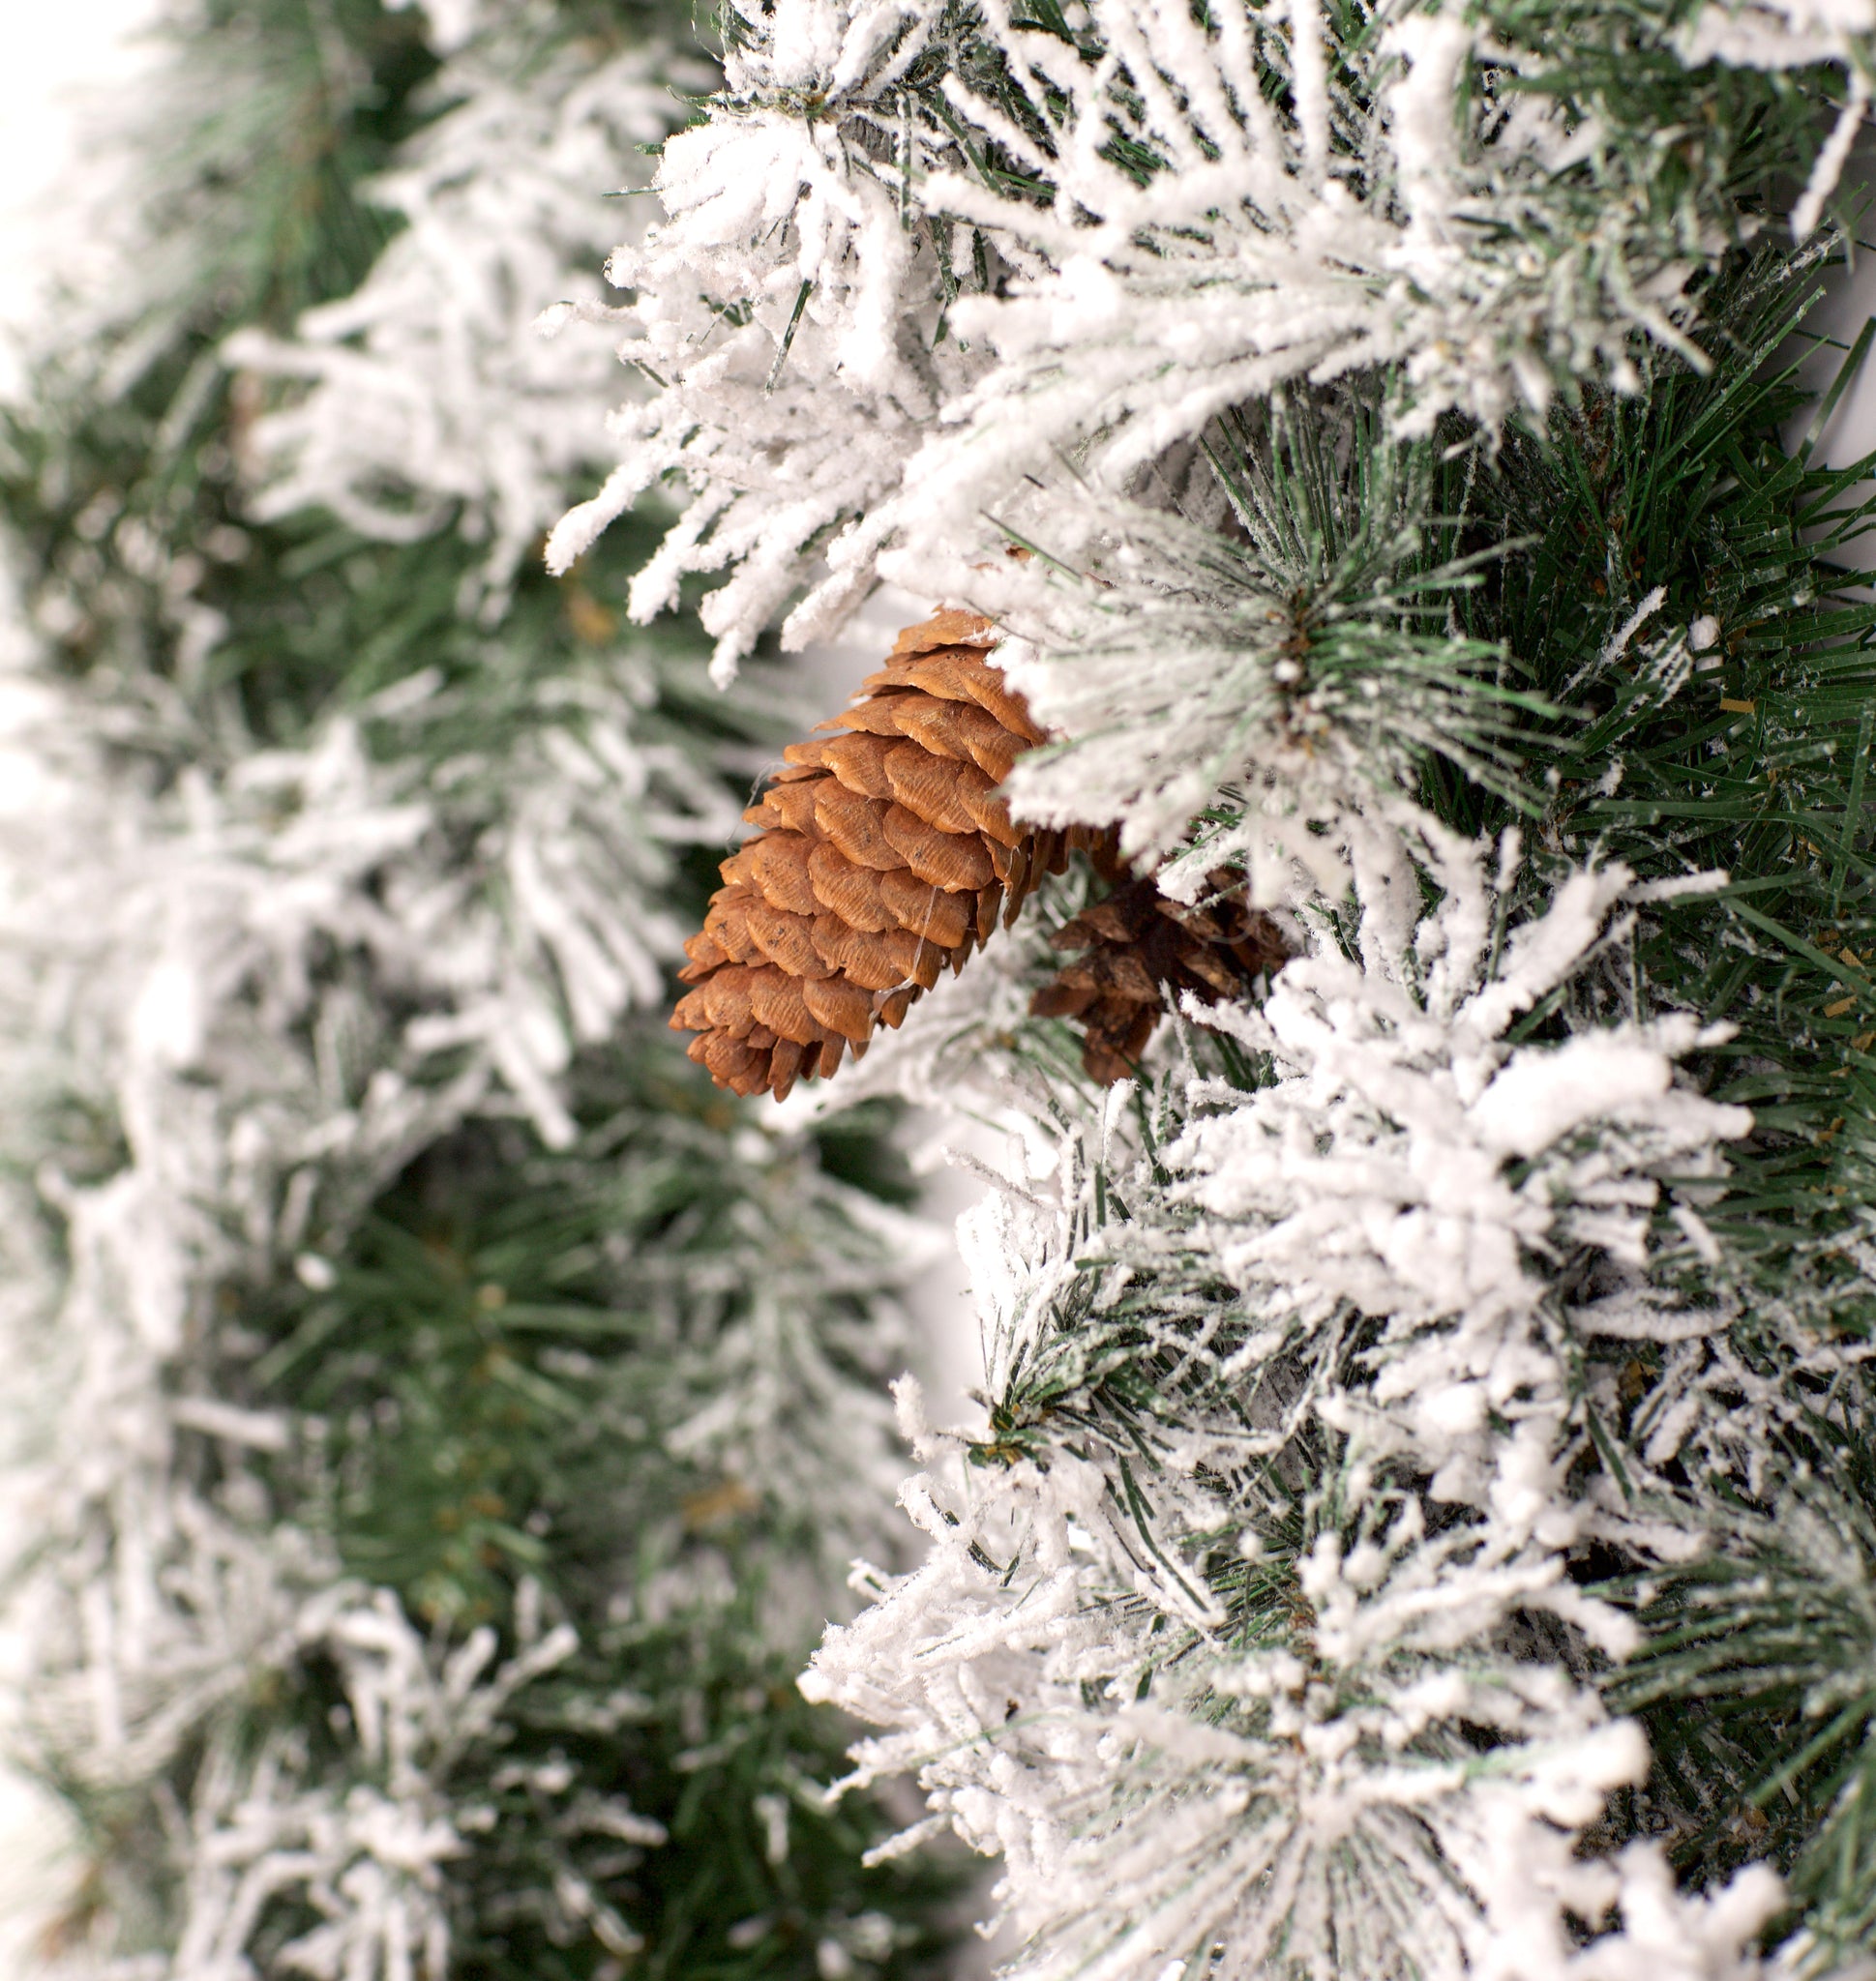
x=1392 y=1382
x=1416 y=1518
x=416 y=1360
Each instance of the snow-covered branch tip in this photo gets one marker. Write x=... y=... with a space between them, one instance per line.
x=919 y=257
x=1246 y=1634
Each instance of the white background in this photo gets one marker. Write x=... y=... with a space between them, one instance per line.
x=53 y=55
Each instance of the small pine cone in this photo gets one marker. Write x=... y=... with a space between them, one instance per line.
x=884 y=855
x=1141 y=949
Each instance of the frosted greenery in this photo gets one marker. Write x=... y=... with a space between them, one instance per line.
x=421 y=1505
x=1416 y=1521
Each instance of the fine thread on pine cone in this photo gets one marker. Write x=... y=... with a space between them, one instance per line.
x=1140 y=951
x=884 y=856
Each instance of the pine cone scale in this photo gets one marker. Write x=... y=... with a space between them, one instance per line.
x=777 y=1001
x=876 y=960
x=990 y=901
x=952 y=677
x=946 y=860
x=931 y=787
x=786 y=940
x=790 y=808
x=777 y=867
x=855 y=894
x=841 y=1007
x=969 y=734
x=1061 y=1000
x=855 y=826
x=944 y=918
x=858 y=763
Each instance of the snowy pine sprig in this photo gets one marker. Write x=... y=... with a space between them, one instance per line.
x=1764 y=1632
x=916 y=260
x=234 y=1009
x=363 y=1857
x=1288 y=1452
x=793 y=275
x=1287 y=634
x=1692 y=673
x=210 y=1094
x=429 y=395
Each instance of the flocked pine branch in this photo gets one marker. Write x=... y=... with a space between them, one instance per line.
x=427 y=396
x=1163 y=220
x=1693 y=675
x=1296 y=644
x=1247 y=1636
x=1367 y=1384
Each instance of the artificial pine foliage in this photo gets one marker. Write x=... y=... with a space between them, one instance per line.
x=419 y=1369
x=1415 y=1521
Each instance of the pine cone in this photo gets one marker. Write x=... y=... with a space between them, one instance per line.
x=884 y=855
x=1141 y=950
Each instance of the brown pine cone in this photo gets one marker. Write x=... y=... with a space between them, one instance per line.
x=884 y=855
x=1141 y=950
